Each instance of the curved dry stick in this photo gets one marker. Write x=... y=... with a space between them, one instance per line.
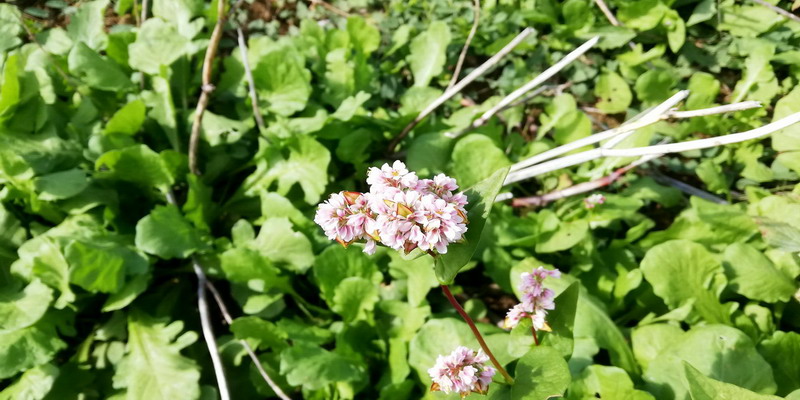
x=251 y=85
x=207 y=87
x=476 y=15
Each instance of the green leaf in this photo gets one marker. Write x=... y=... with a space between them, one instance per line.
x=718 y=352
x=101 y=266
x=654 y=86
x=127 y=120
x=266 y=334
x=565 y=236
x=711 y=174
x=780 y=235
x=153 y=367
x=157 y=44
x=167 y=234
x=365 y=37
x=704 y=388
x=682 y=271
x=137 y=164
x=61 y=185
x=96 y=71
x=28 y=347
x=540 y=374
x=787 y=139
x=21 y=309
x=306 y=165
x=41 y=257
x=162 y=109
x=429 y=153
x=243 y=264
x=278 y=242
x=10 y=28
x=780 y=351
x=676 y=30
x=703 y=11
x=481 y=198
x=752 y=274
x=562 y=321
x=281 y=79
x=614 y=95
x=758 y=81
x=429 y=53
x=10 y=88
x=354 y=299
x=475 y=158
x=313 y=367
x=600 y=381
x=418 y=274
x=336 y=264
x=135 y=286
x=34 y=384
x=642 y=15
x=87 y=25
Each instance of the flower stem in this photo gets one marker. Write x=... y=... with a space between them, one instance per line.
x=477 y=333
x=535 y=338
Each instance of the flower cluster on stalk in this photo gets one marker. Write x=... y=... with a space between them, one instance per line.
x=400 y=211
x=594 y=200
x=536 y=300
x=463 y=371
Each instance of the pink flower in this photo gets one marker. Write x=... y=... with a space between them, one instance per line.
x=594 y=200
x=463 y=371
x=536 y=300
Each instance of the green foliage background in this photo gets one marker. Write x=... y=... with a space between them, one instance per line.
x=664 y=295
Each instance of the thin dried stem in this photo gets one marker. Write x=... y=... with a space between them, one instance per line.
x=685 y=187
x=449 y=93
x=477 y=333
x=251 y=85
x=585 y=187
x=533 y=83
x=594 y=154
x=226 y=315
x=207 y=87
x=135 y=13
x=778 y=10
x=144 y=10
x=610 y=17
x=208 y=331
x=476 y=14
x=330 y=7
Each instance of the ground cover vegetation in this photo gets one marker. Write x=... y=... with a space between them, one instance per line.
x=163 y=162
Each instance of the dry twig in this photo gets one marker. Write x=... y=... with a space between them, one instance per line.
x=251 y=85
x=476 y=14
x=778 y=10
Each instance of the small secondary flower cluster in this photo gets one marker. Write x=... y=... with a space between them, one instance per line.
x=464 y=371
x=536 y=300
x=400 y=211
x=594 y=200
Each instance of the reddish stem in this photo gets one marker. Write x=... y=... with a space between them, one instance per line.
x=535 y=338
x=477 y=333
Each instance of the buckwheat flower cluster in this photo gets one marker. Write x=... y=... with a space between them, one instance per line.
x=594 y=200
x=536 y=300
x=400 y=211
x=463 y=371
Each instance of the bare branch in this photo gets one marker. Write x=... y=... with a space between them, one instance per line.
x=685 y=187
x=476 y=14
x=330 y=7
x=779 y=10
x=594 y=154
x=251 y=85
x=541 y=200
x=207 y=87
x=229 y=320
x=144 y=10
x=208 y=331
x=449 y=93
x=533 y=83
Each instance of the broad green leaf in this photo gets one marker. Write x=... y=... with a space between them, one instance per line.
x=181 y=13
x=613 y=94
x=157 y=44
x=10 y=28
x=34 y=384
x=600 y=381
x=751 y=274
x=642 y=15
x=28 y=347
x=780 y=351
x=274 y=205
x=704 y=388
x=96 y=71
x=153 y=367
x=282 y=80
x=87 y=24
x=21 y=309
x=781 y=235
x=566 y=235
x=429 y=53
x=365 y=37
x=280 y=243
x=167 y=234
x=137 y=164
x=266 y=334
x=61 y=185
x=418 y=273
x=429 y=154
x=242 y=264
x=162 y=109
x=475 y=158
x=354 y=298
x=562 y=321
x=101 y=266
x=127 y=120
x=481 y=198
x=711 y=174
x=718 y=352
x=650 y=340
x=133 y=287
x=787 y=139
x=676 y=30
x=307 y=165
x=336 y=264
x=758 y=81
x=10 y=88
x=540 y=374
x=314 y=367
x=42 y=258
x=654 y=86
x=703 y=11
x=682 y=271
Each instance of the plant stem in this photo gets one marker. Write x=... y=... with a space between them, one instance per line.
x=477 y=333
x=535 y=338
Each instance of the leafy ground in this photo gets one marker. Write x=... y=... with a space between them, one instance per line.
x=664 y=295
